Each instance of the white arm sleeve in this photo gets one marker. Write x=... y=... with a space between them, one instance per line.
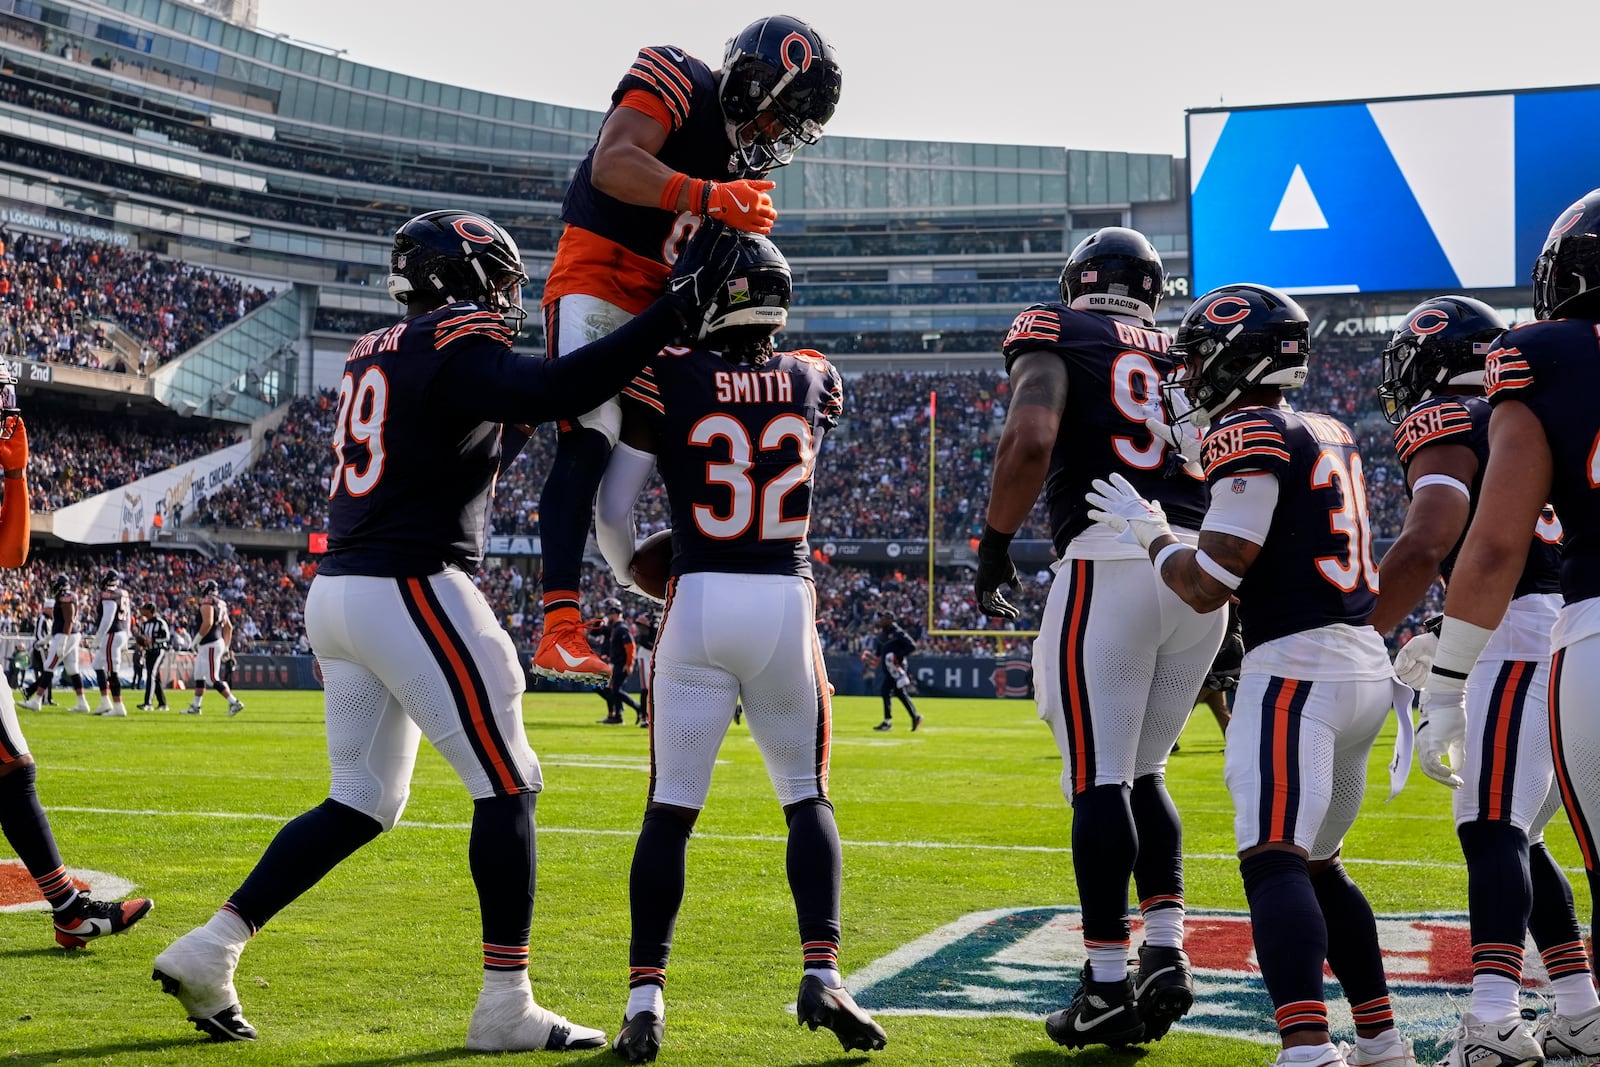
x=1242 y=506
x=108 y=611
x=624 y=480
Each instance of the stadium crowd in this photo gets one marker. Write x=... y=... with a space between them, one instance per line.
x=55 y=293
x=73 y=455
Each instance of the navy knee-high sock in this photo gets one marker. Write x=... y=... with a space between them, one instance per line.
x=1158 y=868
x=299 y=857
x=566 y=508
x=1553 y=921
x=27 y=830
x=1290 y=935
x=655 y=893
x=1353 y=951
x=815 y=863
x=1105 y=846
x=503 y=853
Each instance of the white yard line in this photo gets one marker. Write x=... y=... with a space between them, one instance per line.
x=951 y=846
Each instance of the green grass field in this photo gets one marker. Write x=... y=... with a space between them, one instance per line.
x=380 y=963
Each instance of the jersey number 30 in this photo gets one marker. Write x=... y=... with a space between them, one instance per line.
x=362 y=408
x=745 y=510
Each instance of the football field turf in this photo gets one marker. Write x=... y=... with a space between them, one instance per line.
x=380 y=964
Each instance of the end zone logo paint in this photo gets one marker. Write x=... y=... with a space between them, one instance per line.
x=1025 y=962
x=19 y=893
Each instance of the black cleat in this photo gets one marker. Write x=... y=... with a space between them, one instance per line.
x=883 y=726
x=1101 y=1013
x=229 y=1024
x=89 y=919
x=640 y=1038
x=916 y=721
x=833 y=1008
x=1163 y=987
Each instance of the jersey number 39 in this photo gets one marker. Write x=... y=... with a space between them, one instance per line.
x=362 y=409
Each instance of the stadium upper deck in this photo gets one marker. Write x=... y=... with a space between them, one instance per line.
x=222 y=145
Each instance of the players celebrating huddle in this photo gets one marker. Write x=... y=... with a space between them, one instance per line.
x=1182 y=487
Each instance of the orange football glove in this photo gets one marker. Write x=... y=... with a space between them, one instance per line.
x=742 y=204
x=14 y=450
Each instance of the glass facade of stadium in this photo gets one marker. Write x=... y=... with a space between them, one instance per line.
x=224 y=146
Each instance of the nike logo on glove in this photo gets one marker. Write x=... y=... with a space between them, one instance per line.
x=738 y=203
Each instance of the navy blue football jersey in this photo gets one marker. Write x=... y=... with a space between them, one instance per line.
x=416 y=441
x=736 y=446
x=697 y=144
x=1114 y=372
x=219 y=612
x=1464 y=420
x=65 y=618
x=1553 y=367
x=618 y=644
x=1315 y=567
x=895 y=641
x=119 y=610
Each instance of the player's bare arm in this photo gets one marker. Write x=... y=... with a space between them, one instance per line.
x=1038 y=397
x=1434 y=522
x=1182 y=571
x=625 y=163
x=1516 y=486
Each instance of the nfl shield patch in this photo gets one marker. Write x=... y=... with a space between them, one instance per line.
x=1025 y=962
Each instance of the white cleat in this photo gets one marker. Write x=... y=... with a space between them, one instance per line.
x=1329 y=1057
x=1503 y=1043
x=118 y=710
x=507 y=1020
x=103 y=707
x=1399 y=1053
x=198 y=970
x=82 y=706
x=235 y=707
x=1569 y=1035
x=32 y=704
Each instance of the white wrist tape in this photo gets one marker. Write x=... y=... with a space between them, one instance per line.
x=1460 y=644
x=1442 y=479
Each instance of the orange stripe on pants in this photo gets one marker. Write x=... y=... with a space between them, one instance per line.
x=1077 y=709
x=474 y=709
x=1496 y=756
x=1280 y=758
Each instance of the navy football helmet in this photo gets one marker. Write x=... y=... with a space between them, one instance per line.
x=1568 y=266
x=448 y=256
x=780 y=84
x=1114 y=270
x=611 y=606
x=1443 y=342
x=59 y=584
x=1233 y=339
x=207 y=587
x=111 y=580
x=754 y=302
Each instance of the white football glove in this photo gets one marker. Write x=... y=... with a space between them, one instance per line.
x=1118 y=505
x=1415 y=659
x=1183 y=437
x=1441 y=734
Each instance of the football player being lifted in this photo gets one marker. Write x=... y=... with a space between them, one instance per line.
x=682 y=144
x=1119 y=657
x=735 y=429
x=1286 y=531
x=407 y=645
x=1502 y=773
x=1544 y=447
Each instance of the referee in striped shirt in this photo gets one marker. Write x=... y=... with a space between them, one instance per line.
x=155 y=637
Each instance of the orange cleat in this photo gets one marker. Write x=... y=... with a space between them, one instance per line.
x=564 y=652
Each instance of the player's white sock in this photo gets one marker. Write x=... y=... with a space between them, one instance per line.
x=647 y=997
x=1306 y=1053
x=1575 y=994
x=229 y=927
x=1164 y=928
x=1494 y=997
x=1109 y=964
x=504 y=979
x=830 y=976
